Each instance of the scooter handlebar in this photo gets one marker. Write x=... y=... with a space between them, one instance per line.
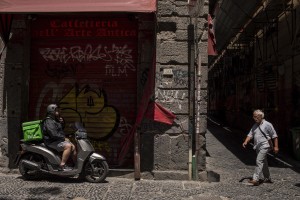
x=79 y=134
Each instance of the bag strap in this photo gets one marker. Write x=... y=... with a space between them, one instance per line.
x=42 y=125
x=262 y=132
x=266 y=136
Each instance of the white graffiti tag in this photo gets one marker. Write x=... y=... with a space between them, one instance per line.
x=171 y=96
x=120 y=55
x=124 y=126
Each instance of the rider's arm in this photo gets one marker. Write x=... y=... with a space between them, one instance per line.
x=52 y=130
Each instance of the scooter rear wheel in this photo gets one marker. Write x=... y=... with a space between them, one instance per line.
x=96 y=171
x=27 y=173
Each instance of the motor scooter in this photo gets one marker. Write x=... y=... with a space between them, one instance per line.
x=35 y=158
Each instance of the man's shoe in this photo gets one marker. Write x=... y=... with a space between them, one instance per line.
x=254 y=182
x=267 y=180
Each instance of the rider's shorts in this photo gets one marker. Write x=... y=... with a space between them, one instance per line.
x=61 y=145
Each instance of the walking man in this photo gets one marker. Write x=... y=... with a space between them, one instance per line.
x=263 y=133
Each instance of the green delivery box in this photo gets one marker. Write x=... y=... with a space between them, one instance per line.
x=32 y=130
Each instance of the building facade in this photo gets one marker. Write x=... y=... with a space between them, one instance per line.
x=99 y=66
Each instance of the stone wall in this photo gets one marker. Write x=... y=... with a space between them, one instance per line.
x=170 y=144
x=3 y=113
x=12 y=96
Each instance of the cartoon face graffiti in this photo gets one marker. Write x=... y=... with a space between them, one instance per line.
x=90 y=108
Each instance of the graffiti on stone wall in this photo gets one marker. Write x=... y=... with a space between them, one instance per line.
x=180 y=77
x=118 y=59
x=176 y=78
x=174 y=97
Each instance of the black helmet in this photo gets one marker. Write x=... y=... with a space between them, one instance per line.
x=51 y=108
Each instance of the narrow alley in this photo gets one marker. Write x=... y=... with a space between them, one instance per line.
x=226 y=157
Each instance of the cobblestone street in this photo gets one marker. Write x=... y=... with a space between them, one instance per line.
x=234 y=163
x=225 y=156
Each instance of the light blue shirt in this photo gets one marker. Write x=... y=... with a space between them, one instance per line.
x=259 y=139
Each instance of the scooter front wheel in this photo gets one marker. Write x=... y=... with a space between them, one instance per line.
x=96 y=171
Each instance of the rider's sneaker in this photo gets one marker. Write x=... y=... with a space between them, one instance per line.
x=65 y=168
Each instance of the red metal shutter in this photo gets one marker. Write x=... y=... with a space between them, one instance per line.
x=88 y=65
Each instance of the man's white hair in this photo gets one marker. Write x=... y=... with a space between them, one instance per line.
x=259 y=112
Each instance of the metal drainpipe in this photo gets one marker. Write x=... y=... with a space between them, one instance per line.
x=191 y=70
x=197 y=108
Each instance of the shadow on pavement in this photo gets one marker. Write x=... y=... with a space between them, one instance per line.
x=53 y=178
x=57 y=179
x=45 y=190
x=233 y=139
x=245 y=178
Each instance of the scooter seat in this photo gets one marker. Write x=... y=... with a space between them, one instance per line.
x=51 y=149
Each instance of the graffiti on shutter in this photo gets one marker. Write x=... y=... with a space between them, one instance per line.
x=88 y=65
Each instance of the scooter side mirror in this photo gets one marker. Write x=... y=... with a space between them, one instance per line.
x=80 y=134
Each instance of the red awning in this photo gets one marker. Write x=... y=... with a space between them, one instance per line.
x=37 y=6
x=211 y=44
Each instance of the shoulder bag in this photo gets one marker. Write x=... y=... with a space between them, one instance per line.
x=270 y=140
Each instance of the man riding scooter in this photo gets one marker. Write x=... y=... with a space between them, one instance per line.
x=36 y=157
x=54 y=136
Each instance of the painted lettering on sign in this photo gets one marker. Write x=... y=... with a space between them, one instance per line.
x=83 y=23
x=84 y=28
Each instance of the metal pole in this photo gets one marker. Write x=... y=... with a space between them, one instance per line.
x=137 y=157
x=198 y=116
x=191 y=70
